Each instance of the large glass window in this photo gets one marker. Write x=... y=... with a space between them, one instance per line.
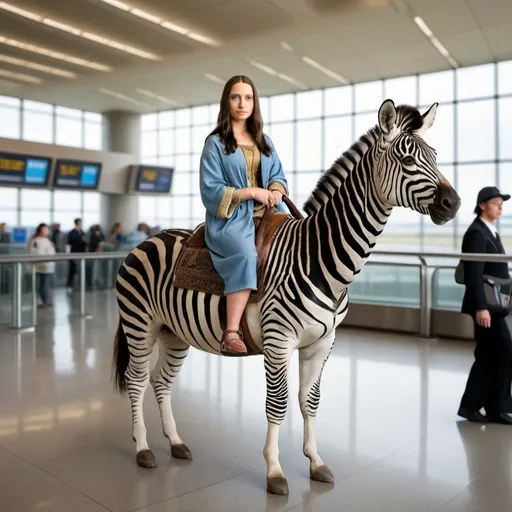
x=38 y=122
x=476 y=127
x=436 y=87
x=441 y=135
x=50 y=124
x=309 y=145
x=69 y=127
x=311 y=129
x=10 y=125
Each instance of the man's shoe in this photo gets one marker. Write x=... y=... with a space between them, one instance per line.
x=503 y=419
x=475 y=416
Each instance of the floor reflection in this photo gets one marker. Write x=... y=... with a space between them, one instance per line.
x=386 y=425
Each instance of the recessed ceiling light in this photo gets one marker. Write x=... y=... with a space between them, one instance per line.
x=123 y=97
x=325 y=70
x=157 y=20
x=158 y=97
x=215 y=78
x=77 y=32
x=435 y=41
x=273 y=72
x=20 y=76
x=34 y=65
x=53 y=54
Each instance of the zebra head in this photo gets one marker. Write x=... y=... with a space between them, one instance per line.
x=407 y=169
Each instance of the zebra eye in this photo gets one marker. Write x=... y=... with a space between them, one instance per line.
x=409 y=161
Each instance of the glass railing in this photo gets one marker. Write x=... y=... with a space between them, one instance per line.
x=414 y=280
x=390 y=285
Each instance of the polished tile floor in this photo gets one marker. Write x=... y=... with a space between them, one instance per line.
x=386 y=427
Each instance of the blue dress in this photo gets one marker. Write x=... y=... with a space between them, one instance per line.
x=230 y=233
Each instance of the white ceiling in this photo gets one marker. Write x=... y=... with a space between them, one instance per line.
x=359 y=39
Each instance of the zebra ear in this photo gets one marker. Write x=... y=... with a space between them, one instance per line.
x=428 y=119
x=387 y=117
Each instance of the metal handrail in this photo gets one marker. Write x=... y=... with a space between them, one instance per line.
x=37 y=258
x=427 y=273
x=60 y=256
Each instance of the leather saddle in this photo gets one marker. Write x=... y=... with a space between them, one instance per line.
x=195 y=270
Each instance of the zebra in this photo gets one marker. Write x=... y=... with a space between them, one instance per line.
x=310 y=267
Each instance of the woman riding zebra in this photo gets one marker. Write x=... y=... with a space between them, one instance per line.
x=240 y=174
x=309 y=269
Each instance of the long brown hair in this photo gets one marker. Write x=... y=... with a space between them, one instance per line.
x=254 y=123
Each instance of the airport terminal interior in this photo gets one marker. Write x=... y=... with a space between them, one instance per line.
x=105 y=108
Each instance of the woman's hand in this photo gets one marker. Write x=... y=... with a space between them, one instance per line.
x=278 y=196
x=263 y=196
x=483 y=318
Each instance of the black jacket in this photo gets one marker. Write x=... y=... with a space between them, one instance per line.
x=479 y=239
x=77 y=241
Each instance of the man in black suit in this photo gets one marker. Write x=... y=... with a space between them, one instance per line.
x=488 y=384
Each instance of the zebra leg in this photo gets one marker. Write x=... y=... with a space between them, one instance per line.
x=311 y=363
x=173 y=352
x=277 y=360
x=137 y=380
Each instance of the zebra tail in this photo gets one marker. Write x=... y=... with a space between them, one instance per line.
x=120 y=360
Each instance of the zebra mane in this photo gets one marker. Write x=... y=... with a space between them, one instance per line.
x=408 y=118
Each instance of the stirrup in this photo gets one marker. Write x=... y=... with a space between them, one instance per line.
x=224 y=348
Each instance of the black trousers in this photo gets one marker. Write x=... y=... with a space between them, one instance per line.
x=71 y=273
x=489 y=381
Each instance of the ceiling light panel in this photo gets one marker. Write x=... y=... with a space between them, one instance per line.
x=78 y=32
x=282 y=76
x=20 y=76
x=123 y=97
x=215 y=78
x=157 y=20
x=158 y=97
x=34 y=65
x=420 y=22
x=9 y=41
x=317 y=65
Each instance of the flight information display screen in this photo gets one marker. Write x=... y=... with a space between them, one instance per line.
x=154 y=179
x=76 y=174
x=24 y=170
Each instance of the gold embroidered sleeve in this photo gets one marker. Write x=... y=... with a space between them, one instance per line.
x=279 y=187
x=229 y=201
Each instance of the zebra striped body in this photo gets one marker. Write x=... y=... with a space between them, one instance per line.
x=310 y=266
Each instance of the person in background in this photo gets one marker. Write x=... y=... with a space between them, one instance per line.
x=96 y=238
x=115 y=239
x=77 y=243
x=137 y=237
x=489 y=381
x=96 y=241
x=40 y=244
x=56 y=237
x=5 y=236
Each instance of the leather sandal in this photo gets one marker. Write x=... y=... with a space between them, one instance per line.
x=233 y=346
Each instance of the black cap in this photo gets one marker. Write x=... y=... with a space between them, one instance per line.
x=489 y=193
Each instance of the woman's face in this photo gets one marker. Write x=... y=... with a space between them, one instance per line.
x=44 y=231
x=241 y=101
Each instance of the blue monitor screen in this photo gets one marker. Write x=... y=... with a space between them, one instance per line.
x=24 y=170
x=154 y=179
x=76 y=174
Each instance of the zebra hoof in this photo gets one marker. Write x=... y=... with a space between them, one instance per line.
x=180 y=451
x=146 y=459
x=321 y=474
x=277 y=485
